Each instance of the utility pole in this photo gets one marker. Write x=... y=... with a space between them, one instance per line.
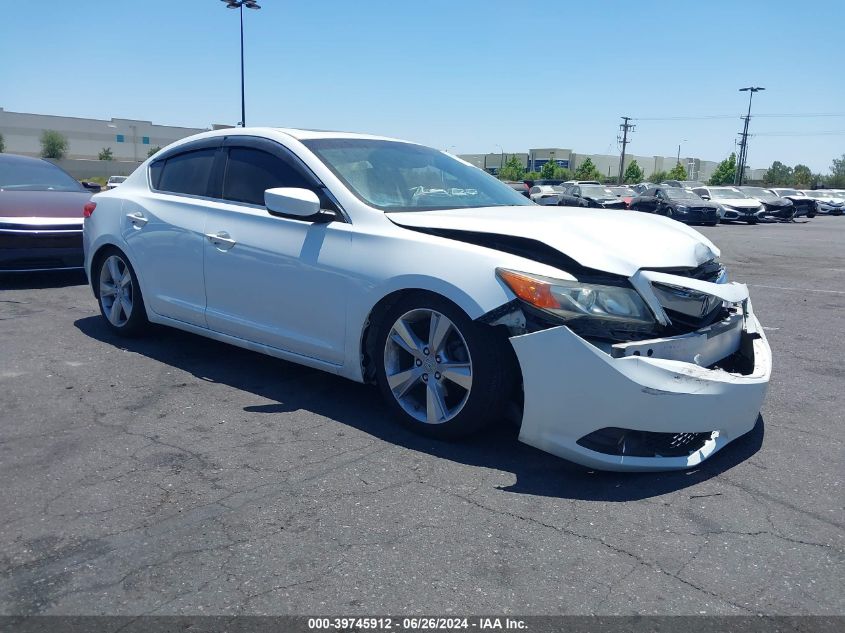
x=625 y=127
x=743 y=150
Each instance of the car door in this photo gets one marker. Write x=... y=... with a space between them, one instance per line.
x=163 y=228
x=272 y=279
x=570 y=197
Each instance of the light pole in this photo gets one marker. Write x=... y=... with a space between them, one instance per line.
x=743 y=151
x=240 y=4
x=683 y=140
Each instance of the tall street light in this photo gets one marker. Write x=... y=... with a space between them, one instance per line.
x=743 y=151
x=240 y=4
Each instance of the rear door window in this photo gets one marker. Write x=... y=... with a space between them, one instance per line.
x=186 y=173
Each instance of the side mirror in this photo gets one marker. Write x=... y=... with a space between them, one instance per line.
x=292 y=201
x=91 y=186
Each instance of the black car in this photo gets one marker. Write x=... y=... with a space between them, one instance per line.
x=776 y=208
x=678 y=204
x=800 y=202
x=595 y=196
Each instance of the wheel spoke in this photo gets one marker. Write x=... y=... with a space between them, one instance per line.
x=402 y=382
x=126 y=305
x=405 y=339
x=114 y=271
x=458 y=373
x=126 y=278
x=107 y=290
x=438 y=331
x=435 y=406
x=114 y=312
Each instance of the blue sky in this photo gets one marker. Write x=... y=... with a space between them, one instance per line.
x=462 y=75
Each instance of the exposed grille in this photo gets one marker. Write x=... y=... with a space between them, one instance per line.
x=627 y=442
x=708 y=271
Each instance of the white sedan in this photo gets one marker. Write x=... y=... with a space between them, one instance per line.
x=616 y=335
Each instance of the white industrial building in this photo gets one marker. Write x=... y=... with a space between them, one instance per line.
x=130 y=141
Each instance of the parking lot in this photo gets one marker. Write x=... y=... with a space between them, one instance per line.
x=174 y=474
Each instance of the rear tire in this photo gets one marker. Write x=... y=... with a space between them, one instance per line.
x=442 y=374
x=119 y=294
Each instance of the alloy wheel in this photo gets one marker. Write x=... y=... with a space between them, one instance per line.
x=428 y=366
x=116 y=290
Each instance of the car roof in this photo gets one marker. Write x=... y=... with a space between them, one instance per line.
x=17 y=158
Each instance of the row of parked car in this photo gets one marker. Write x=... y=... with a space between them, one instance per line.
x=688 y=201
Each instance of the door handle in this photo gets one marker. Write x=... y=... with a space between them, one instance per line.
x=137 y=219
x=221 y=240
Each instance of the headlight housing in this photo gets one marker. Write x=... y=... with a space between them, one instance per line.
x=592 y=309
x=681 y=208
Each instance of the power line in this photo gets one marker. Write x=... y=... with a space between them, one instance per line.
x=819 y=133
x=707 y=117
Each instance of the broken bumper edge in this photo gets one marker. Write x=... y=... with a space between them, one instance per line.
x=572 y=389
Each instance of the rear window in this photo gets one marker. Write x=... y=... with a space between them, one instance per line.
x=186 y=173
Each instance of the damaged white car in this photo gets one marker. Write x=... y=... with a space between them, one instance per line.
x=617 y=336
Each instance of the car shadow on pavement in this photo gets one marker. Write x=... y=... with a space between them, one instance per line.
x=291 y=387
x=42 y=279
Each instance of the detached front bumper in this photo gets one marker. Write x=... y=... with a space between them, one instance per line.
x=576 y=391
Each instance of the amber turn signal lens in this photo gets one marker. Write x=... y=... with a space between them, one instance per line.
x=533 y=291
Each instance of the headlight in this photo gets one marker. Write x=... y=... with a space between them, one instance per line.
x=681 y=208
x=576 y=300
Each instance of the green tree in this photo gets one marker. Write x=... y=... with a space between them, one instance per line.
x=678 y=172
x=836 y=179
x=153 y=151
x=633 y=173
x=53 y=144
x=2 y=144
x=562 y=173
x=778 y=174
x=547 y=171
x=802 y=177
x=513 y=170
x=587 y=171
x=659 y=176
x=105 y=154
x=725 y=171
x=532 y=175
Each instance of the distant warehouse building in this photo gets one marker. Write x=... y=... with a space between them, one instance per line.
x=607 y=164
x=129 y=139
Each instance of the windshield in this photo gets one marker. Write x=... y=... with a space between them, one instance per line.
x=396 y=176
x=726 y=192
x=674 y=193
x=789 y=192
x=117 y=178
x=596 y=191
x=37 y=175
x=759 y=192
x=623 y=191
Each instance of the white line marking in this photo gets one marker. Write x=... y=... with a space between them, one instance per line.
x=834 y=292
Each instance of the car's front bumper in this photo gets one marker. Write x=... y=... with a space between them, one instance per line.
x=743 y=215
x=573 y=388
x=31 y=244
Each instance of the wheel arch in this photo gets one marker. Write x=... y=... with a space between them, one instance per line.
x=367 y=335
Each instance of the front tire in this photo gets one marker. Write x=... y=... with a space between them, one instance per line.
x=441 y=373
x=119 y=294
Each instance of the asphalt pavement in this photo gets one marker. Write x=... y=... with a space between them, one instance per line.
x=174 y=474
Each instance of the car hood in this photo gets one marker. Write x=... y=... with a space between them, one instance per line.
x=43 y=204
x=739 y=203
x=618 y=242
